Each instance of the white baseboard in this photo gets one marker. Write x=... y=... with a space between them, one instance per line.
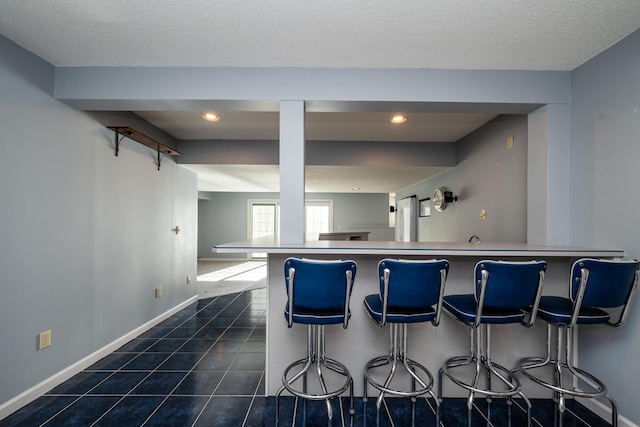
x=38 y=390
x=604 y=412
x=235 y=259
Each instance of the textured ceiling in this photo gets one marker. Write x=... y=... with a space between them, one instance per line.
x=318 y=179
x=451 y=34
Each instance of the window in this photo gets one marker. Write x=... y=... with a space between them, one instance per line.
x=318 y=217
x=263 y=221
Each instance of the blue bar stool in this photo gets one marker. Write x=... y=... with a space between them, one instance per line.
x=595 y=285
x=318 y=294
x=409 y=290
x=501 y=293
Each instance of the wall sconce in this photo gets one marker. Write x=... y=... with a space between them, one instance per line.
x=442 y=197
x=449 y=197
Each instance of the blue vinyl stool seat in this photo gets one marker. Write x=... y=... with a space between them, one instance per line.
x=502 y=292
x=411 y=291
x=597 y=287
x=318 y=294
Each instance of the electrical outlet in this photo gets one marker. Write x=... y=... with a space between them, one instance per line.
x=158 y=292
x=483 y=214
x=44 y=340
x=188 y=280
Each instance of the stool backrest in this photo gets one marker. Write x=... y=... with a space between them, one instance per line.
x=604 y=283
x=319 y=284
x=509 y=285
x=412 y=283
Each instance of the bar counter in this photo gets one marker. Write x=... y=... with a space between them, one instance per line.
x=429 y=345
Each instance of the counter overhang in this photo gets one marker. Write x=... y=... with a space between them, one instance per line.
x=389 y=248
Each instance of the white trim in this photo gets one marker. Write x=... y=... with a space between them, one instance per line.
x=41 y=388
x=266 y=202
x=250 y=203
x=233 y=259
x=604 y=412
x=319 y=202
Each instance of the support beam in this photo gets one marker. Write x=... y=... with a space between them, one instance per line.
x=548 y=175
x=292 y=148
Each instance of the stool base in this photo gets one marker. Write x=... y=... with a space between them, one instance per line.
x=560 y=367
x=480 y=356
x=315 y=361
x=398 y=358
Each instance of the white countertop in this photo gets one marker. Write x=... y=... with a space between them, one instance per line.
x=270 y=244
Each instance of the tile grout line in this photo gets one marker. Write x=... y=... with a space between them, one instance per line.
x=246 y=416
x=228 y=367
x=154 y=370
x=199 y=360
x=252 y=397
x=121 y=369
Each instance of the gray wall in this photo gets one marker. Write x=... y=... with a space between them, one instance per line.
x=487 y=176
x=222 y=217
x=83 y=222
x=265 y=152
x=87 y=236
x=605 y=174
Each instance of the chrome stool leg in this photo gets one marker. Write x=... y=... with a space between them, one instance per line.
x=315 y=357
x=398 y=342
x=561 y=365
x=481 y=356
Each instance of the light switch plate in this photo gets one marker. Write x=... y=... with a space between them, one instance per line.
x=509 y=142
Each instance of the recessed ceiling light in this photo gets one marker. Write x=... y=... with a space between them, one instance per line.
x=355 y=188
x=398 y=119
x=210 y=117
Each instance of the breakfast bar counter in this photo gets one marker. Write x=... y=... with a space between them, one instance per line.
x=431 y=345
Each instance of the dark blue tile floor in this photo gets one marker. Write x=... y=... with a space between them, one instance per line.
x=204 y=366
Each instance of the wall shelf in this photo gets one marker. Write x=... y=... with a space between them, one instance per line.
x=122 y=132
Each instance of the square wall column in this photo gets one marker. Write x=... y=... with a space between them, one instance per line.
x=292 y=162
x=548 y=175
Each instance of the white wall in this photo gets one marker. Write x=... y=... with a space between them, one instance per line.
x=87 y=236
x=604 y=202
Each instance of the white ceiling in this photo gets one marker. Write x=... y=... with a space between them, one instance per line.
x=350 y=126
x=318 y=179
x=371 y=126
x=453 y=34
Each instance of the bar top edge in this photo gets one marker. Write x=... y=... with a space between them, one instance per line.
x=269 y=244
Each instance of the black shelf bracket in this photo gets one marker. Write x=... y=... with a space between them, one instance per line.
x=122 y=132
x=118 y=139
x=160 y=157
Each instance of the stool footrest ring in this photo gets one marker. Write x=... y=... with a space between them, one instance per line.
x=527 y=364
x=508 y=379
x=409 y=366
x=330 y=364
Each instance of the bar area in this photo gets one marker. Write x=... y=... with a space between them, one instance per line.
x=431 y=346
